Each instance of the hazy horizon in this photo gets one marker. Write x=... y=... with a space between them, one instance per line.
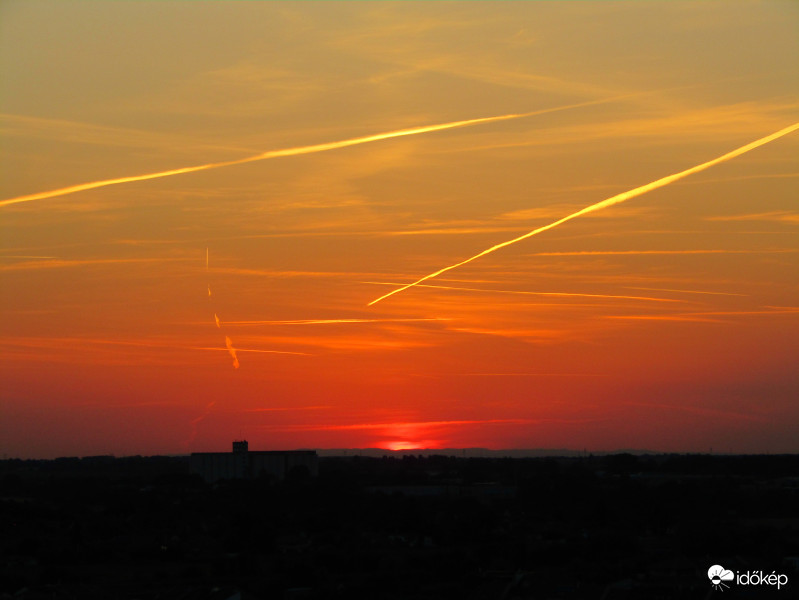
x=376 y=452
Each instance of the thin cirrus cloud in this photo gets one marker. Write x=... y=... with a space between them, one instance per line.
x=712 y=316
x=409 y=424
x=778 y=216
x=50 y=263
x=347 y=343
x=769 y=311
x=233 y=351
x=332 y=321
x=288 y=408
x=707 y=123
x=98 y=347
x=677 y=318
x=63 y=130
x=682 y=291
x=645 y=252
x=27 y=257
x=526 y=293
x=553 y=212
x=515 y=374
x=608 y=202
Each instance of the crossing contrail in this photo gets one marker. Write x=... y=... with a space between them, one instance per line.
x=296 y=151
x=617 y=199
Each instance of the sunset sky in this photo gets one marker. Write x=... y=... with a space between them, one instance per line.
x=177 y=313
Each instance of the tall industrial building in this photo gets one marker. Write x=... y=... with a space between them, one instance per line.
x=243 y=464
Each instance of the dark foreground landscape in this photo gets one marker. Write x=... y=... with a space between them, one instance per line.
x=410 y=527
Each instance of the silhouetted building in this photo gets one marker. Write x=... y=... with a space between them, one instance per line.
x=243 y=464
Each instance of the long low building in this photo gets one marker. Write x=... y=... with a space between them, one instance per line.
x=243 y=464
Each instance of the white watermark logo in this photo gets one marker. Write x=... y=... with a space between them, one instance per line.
x=718 y=575
x=719 y=578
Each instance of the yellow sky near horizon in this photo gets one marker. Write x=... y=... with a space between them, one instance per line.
x=669 y=322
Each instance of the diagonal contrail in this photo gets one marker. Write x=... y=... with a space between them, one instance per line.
x=295 y=151
x=228 y=342
x=617 y=199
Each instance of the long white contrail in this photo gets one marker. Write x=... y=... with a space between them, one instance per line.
x=617 y=199
x=295 y=151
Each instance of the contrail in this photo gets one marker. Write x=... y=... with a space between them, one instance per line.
x=228 y=343
x=258 y=351
x=650 y=289
x=526 y=293
x=296 y=151
x=422 y=424
x=617 y=199
x=331 y=321
x=637 y=252
x=232 y=351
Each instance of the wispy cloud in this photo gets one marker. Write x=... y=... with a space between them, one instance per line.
x=526 y=293
x=446 y=230
x=278 y=273
x=680 y=291
x=512 y=374
x=288 y=408
x=677 y=318
x=711 y=316
x=75 y=348
x=777 y=216
x=704 y=123
x=46 y=263
x=333 y=321
x=63 y=130
x=409 y=424
x=394 y=35
x=255 y=350
x=768 y=311
x=731 y=178
x=667 y=252
x=555 y=211
x=18 y=256
x=351 y=342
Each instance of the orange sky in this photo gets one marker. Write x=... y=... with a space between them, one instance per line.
x=669 y=322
